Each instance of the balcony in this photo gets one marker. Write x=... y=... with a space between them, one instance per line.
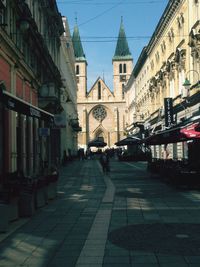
x=75 y=125
x=49 y=98
x=49 y=90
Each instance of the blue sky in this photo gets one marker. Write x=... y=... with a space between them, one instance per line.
x=99 y=22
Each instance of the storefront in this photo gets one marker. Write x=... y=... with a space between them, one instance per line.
x=183 y=132
x=183 y=171
x=23 y=148
x=1 y=139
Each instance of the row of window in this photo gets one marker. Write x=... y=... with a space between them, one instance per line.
x=99 y=91
x=122 y=69
x=18 y=31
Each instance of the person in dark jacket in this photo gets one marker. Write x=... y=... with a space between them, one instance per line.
x=104 y=160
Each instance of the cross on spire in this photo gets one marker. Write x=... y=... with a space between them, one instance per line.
x=75 y=18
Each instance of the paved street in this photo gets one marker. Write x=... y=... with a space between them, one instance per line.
x=122 y=219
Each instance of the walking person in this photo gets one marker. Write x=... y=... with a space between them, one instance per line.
x=104 y=160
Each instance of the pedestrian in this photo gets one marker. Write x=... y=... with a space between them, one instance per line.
x=81 y=154
x=64 y=159
x=104 y=160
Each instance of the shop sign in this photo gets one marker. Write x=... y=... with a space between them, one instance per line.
x=44 y=131
x=60 y=120
x=168 y=105
x=10 y=104
x=34 y=112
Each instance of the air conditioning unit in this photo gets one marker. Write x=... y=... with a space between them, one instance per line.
x=3 y=3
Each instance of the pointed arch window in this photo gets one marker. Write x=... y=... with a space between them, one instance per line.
x=120 y=68
x=77 y=70
x=124 y=68
x=99 y=90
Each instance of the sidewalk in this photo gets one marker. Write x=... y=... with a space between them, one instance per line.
x=121 y=219
x=56 y=234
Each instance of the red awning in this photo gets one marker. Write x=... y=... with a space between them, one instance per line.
x=192 y=131
x=179 y=134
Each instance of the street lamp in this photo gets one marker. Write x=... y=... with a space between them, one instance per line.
x=187 y=84
x=24 y=25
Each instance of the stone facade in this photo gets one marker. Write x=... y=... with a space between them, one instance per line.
x=102 y=111
x=69 y=130
x=29 y=78
x=171 y=56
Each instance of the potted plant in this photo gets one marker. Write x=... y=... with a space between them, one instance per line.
x=28 y=187
x=41 y=189
x=12 y=189
x=52 y=180
x=4 y=211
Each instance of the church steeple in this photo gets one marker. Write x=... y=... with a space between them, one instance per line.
x=122 y=64
x=80 y=65
x=122 y=51
x=77 y=45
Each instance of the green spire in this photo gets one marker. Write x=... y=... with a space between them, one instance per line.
x=122 y=50
x=77 y=45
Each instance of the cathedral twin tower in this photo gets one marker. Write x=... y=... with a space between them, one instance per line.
x=101 y=111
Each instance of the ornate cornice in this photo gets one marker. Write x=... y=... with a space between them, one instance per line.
x=166 y=17
x=194 y=40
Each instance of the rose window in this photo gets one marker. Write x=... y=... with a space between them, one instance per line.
x=99 y=113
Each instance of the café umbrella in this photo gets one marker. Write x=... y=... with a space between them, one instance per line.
x=97 y=143
x=128 y=141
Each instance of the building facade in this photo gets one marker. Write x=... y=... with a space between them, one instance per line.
x=33 y=68
x=171 y=56
x=69 y=115
x=102 y=111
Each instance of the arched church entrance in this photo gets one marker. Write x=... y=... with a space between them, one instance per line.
x=100 y=135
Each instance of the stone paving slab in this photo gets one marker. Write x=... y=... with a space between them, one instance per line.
x=75 y=229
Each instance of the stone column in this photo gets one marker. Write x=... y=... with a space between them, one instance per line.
x=30 y=145
x=108 y=138
x=14 y=142
x=84 y=128
x=116 y=124
x=12 y=115
x=23 y=125
x=37 y=146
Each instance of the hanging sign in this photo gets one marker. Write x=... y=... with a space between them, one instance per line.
x=60 y=120
x=168 y=105
x=44 y=131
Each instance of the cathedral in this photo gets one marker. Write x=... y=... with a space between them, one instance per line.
x=102 y=111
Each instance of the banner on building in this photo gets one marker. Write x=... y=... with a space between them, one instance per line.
x=44 y=131
x=168 y=105
x=60 y=120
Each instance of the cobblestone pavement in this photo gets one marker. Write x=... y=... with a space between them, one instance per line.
x=125 y=218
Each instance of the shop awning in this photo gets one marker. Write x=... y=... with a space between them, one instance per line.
x=190 y=131
x=128 y=141
x=19 y=105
